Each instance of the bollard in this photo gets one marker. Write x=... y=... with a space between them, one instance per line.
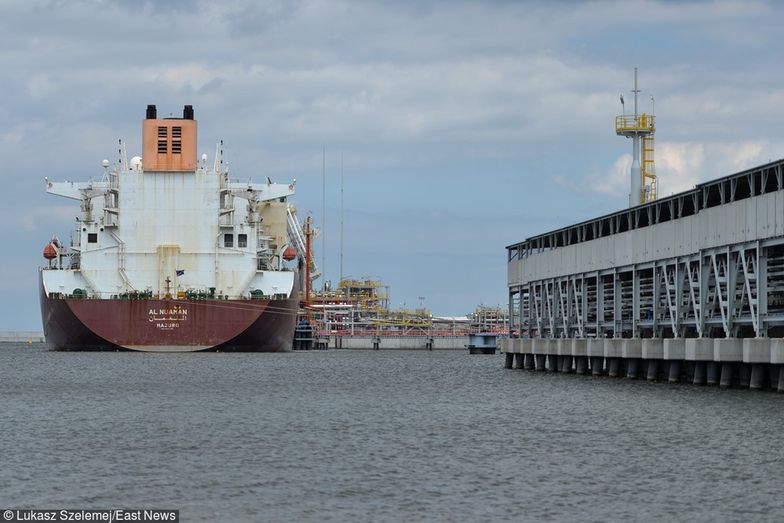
x=528 y=361
x=699 y=373
x=726 y=374
x=757 y=376
x=509 y=360
x=613 y=367
x=653 y=370
x=675 y=371
x=581 y=365
x=713 y=372
x=539 y=361
x=518 y=361
x=632 y=368
x=552 y=363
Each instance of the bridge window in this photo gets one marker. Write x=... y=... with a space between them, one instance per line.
x=92 y=237
x=242 y=240
x=228 y=240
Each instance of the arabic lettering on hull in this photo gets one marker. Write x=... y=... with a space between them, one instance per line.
x=168 y=318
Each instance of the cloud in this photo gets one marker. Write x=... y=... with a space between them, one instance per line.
x=489 y=108
x=679 y=166
x=613 y=182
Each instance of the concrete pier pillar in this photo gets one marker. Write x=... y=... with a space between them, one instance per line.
x=518 y=364
x=674 y=376
x=757 y=376
x=727 y=371
x=744 y=375
x=581 y=364
x=632 y=368
x=690 y=367
x=509 y=360
x=780 y=387
x=614 y=367
x=597 y=365
x=758 y=350
x=653 y=353
x=552 y=363
x=773 y=376
x=700 y=369
x=632 y=353
x=539 y=361
x=653 y=370
x=777 y=360
x=528 y=361
x=613 y=350
x=595 y=353
x=564 y=350
x=713 y=373
x=579 y=348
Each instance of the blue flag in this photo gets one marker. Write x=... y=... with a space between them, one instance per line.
x=180 y=272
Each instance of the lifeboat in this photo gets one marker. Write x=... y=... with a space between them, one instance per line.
x=290 y=253
x=50 y=251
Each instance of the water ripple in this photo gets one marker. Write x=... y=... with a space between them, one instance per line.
x=377 y=435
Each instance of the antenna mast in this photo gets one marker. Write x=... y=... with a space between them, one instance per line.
x=324 y=214
x=341 y=218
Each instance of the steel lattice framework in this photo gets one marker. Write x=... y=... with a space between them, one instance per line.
x=708 y=262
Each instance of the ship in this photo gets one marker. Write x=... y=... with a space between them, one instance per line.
x=171 y=254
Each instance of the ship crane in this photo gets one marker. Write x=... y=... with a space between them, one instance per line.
x=640 y=128
x=299 y=237
x=256 y=192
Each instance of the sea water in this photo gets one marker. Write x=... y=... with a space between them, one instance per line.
x=377 y=435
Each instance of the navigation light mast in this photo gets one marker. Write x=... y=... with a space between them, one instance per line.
x=640 y=128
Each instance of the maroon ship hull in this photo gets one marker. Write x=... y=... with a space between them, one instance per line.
x=168 y=325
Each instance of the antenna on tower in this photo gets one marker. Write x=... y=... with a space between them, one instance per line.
x=341 y=218
x=324 y=213
x=640 y=128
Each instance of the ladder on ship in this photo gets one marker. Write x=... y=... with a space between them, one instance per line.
x=121 y=260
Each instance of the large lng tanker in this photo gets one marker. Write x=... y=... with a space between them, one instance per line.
x=171 y=255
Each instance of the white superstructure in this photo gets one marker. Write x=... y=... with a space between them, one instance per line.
x=165 y=228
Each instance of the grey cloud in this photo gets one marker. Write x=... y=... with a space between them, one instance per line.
x=472 y=106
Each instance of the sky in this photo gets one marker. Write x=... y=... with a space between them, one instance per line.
x=461 y=127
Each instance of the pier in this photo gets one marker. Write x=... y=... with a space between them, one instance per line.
x=727 y=362
x=21 y=337
x=688 y=288
x=371 y=342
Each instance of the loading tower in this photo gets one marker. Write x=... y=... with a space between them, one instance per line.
x=640 y=128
